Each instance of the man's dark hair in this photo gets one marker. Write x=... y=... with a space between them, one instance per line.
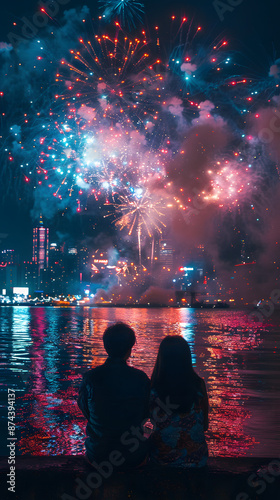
x=118 y=339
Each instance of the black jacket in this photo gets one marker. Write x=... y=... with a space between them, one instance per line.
x=114 y=398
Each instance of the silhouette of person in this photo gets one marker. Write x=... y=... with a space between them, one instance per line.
x=114 y=398
x=178 y=439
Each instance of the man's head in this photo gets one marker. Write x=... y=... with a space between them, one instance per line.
x=118 y=340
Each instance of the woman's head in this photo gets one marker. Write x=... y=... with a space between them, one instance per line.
x=174 y=350
x=173 y=373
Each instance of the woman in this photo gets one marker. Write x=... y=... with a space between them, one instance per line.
x=179 y=408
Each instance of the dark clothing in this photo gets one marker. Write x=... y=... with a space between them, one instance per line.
x=114 y=398
x=178 y=439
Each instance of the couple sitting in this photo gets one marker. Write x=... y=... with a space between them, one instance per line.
x=117 y=400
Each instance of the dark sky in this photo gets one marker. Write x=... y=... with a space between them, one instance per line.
x=252 y=27
x=252 y=23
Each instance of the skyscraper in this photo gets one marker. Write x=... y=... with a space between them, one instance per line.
x=40 y=256
x=166 y=254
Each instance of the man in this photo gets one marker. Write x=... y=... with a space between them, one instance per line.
x=114 y=398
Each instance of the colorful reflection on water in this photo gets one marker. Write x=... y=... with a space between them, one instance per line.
x=45 y=351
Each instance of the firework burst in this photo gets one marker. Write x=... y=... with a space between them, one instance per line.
x=114 y=78
x=231 y=184
x=129 y=12
x=140 y=214
x=119 y=114
x=77 y=160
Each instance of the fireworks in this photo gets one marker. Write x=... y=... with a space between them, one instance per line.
x=120 y=114
x=140 y=213
x=76 y=160
x=129 y=12
x=231 y=184
x=127 y=103
x=114 y=78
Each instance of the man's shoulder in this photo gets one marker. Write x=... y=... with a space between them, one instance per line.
x=94 y=372
x=138 y=373
x=103 y=370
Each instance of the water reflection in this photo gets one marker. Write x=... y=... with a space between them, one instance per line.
x=239 y=362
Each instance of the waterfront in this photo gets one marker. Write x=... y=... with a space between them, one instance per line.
x=44 y=352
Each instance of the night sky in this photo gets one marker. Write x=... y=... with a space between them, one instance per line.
x=253 y=31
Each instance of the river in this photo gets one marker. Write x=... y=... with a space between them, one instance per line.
x=45 y=351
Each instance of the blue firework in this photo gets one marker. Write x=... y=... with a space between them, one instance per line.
x=128 y=11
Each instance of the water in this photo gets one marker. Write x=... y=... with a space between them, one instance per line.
x=44 y=351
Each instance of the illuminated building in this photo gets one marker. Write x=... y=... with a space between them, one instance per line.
x=8 y=257
x=52 y=278
x=40 y=255
x=71 y=267
x=30 y=278
x=72 y=251
x=83 y=265
x=166 y=255
x=9 y=274
x=11 y=278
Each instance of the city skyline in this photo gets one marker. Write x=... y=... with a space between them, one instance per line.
x=102 y=276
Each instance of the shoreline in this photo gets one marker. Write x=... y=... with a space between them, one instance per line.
x=121 y=306
x=61 y=478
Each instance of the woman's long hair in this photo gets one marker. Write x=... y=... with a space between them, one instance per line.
x=173 y=374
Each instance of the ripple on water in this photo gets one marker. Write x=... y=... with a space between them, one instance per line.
x=45 y=351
